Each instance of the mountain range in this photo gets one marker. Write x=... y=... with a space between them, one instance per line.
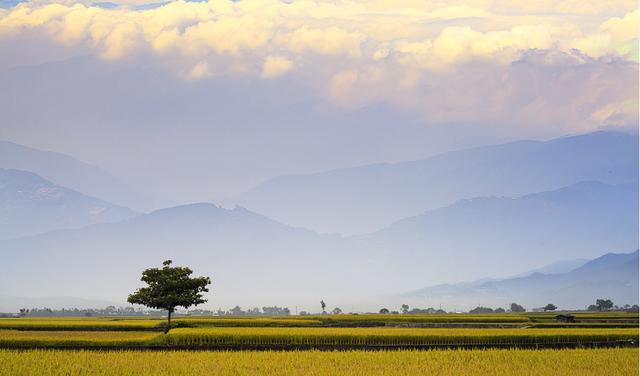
x=253 y=258
x=612 y=276
x=249 y=257
x=495 y=211
x=368 y=198
x=30 y=204
x=69 y=172
x=502 y=236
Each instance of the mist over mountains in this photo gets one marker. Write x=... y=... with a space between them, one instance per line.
x=368 y=198
x=71 y=173
x=613 y=275
x=495 y=211
x=249 y=257
x=30 y=204
x=502 y=234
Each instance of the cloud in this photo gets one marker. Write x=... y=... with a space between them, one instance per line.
x=356 y=52
x=275 y=66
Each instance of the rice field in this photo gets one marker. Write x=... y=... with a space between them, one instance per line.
x=389 y=337
x=229 y=346
x=596 y=362
x=347 y=320
x=82 y=324
x=321 y=338
x=74 y=339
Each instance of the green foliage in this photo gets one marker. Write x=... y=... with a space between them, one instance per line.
x=170 y=287
x=515 y=307
x=604 y=304
x=481 y=309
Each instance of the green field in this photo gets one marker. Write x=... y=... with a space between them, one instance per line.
x=596 y=362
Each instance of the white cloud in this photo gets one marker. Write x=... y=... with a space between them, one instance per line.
x=275 y=66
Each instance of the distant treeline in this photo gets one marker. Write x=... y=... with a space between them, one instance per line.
x=600 y=306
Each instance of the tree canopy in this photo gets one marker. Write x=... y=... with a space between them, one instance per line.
x=515 y=307
x=170 y=287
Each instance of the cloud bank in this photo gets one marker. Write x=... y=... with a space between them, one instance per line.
x=407 y=53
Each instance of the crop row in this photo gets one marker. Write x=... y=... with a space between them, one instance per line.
x=221 y=337
x=312 y=337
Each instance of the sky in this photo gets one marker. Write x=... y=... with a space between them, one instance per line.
x=197 y=101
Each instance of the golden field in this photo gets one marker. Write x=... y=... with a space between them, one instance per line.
x=596 y=362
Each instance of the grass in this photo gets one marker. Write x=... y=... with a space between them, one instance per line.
x=596 y=362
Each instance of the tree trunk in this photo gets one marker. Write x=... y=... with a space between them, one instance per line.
x=168 y=321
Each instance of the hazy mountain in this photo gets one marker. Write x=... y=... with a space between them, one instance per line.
x=69 y=172
x=367 y=198
x=251 y=259
x=503 y=236
x=613 y=276
x=562 y=266
x=256 y=260
x=30 y=204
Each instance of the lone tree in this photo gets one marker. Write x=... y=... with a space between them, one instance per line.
x=550 y=307
x=405 y=308
x=384 y=311
x=323 y=305
x=170 y=287
x=515 y=307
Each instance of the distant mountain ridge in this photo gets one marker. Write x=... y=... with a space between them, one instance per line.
x=613 y=276
x=484 y=236
x=30 y=205
x=69 y=172
x=368 y=198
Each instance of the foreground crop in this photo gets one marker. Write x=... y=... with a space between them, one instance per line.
x=439 y=362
